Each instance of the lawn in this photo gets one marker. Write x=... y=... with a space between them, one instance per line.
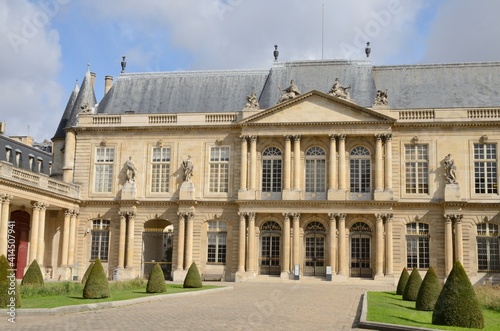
x=388 y=307
x=74 y=295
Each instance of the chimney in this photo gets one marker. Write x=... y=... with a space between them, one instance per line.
x=92 y=76
x=108 y=82
x=2 y=127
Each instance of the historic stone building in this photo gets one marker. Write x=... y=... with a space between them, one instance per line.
x=314 y=168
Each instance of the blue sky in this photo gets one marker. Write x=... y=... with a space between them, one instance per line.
x=46 y=44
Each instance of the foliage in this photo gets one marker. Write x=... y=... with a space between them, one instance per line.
x=488 y=296
x=429 y=291
x=33 y=275
x=156 y=280
x=87 y=273
x=412 y=286
x=50 y=289
x=403 y=279
x=8 y=278
x=193 y=277
x=97 y=285
x=458 y=304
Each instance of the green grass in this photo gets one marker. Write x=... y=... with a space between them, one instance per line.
x=70 y=293
x=388 y=307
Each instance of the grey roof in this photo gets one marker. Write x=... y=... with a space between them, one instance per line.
x=60 y=133
x=26 y=151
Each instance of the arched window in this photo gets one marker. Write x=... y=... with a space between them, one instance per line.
x=314 y=262
x=488 y=257
x=361 y=258
x=100 y=240
x=417 y=245
x=360 y=171
x=270 y=248
x=271 y=172
x=315 y=173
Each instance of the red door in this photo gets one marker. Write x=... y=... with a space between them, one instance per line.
x=22 y=232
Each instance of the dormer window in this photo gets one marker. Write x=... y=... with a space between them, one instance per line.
x=8 y=153
x=31 y=162
x=39 y=161
x=18 y=157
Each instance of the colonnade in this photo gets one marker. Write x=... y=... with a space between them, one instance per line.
x=126 y=239
x=185 y=240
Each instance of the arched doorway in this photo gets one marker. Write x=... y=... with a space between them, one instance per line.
x=157 y=241
x=360 y=238
x=21 y=221
x=314 y=262
x=270 y=241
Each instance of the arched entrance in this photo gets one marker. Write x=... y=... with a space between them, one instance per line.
x=360 y=238
x=314 y=262
x=270 y=241
x=157 y=241
x=21 y=221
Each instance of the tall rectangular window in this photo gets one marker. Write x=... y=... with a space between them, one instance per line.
x=160 y=169
x=417 y=168
x=217 y=233
x=219 y=169
x=488 y=255
x=485 y=168
x=417 y=246
x=100 y=240
x=104 y=159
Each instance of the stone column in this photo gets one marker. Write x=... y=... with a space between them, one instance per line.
x=287 y=163
x=286 y=243
x=388 y=245
x=241 y=244
x=189 y=239
x=253 y=162
x=35 y=220
x=244 y=163
x=333 y=242
x=130 y=240
x=72 y=238
x=379 y=178
x=296 y=239
x=4 y=222
x=65 y=241
x=121 y=240
x=69 y=156
x=251 y=242
x=41 y=234
x=380 y=246
x=332 y=169
x=459 y=249
x=296 y=168
x=180 y=241
x=388 y=162
x=342 y=163
x=342 y=246
x=448 y=244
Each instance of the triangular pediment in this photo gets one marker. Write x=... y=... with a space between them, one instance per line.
x=317 y=107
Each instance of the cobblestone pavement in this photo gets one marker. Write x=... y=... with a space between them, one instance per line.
x=301 y=305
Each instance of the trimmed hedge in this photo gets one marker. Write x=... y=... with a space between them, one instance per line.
x=458 y=304
x=87 y=273
x=6 y=279
x=429 y=291
x=33 y=275
x=412 y=286
x=193 y=277
x=156 y=280
x=97 y=285
x=403 y=279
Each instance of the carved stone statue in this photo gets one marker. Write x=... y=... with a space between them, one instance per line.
x=381 y=98
x=188 y=169
x=131 y=170
x=86 y=109
x=276 y=53
x=252 y=101
x=340 y=91
x=289 y=93
x=451 y=169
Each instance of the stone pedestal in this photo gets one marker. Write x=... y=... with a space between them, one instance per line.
x=336 y=195
x=382 y=195
x=242 y=276
x=62 y=273
x=452 y=192
x=187 y=191
x=291 y=195
x=129 y=191
x=120 y=274
x=179 y=275
x=246 y=195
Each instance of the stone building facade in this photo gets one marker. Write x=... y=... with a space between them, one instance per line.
x=309 y=169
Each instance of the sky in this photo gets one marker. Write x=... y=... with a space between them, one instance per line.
x=46 y=46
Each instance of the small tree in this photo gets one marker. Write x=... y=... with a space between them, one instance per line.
x=156 y=280
x=429 y=291
x=87 y=273
x=412 y=286
x=7 y=279
x=97 y=285
x=403 y=279
x=458 y=305
x=193 y=278
x=33 y=275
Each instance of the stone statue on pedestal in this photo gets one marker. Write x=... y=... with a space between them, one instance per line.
x=451 y=169
x=188 y=167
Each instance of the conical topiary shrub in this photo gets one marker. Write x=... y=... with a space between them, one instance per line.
x=193 y=278
x=457 y=305
x=403 y=279
x=87 y=273
x=97 y=285
x=7 y=281
x=429 y=291
x=33 y=275
x=156 y=281
x=412 y=286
